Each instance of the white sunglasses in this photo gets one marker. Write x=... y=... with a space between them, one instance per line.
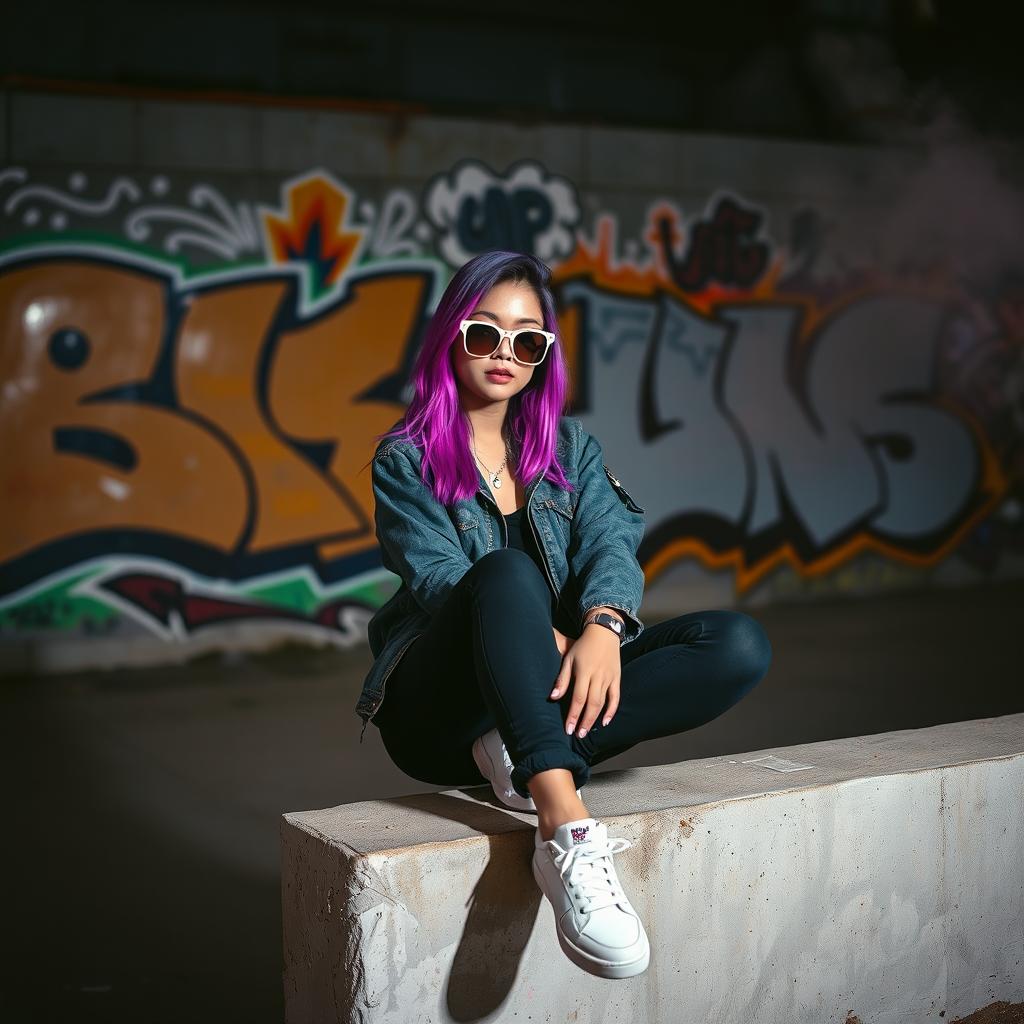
x=529 y=345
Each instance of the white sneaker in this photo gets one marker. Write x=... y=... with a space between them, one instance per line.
x=597 y=927
x=492 y=759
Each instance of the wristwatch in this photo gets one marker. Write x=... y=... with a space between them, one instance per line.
x=604 y=619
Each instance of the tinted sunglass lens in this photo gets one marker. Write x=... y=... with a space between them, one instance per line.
x=530 y=346
x=481 y=339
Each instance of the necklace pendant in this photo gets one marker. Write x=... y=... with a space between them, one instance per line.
x=495 y=482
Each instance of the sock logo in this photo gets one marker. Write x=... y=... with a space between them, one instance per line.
x=579 y=835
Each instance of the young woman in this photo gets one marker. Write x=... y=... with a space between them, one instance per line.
x=512 y=652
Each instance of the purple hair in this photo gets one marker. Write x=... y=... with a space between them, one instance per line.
x=434 y=419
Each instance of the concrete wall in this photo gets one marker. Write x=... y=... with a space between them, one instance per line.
x=803 y=360
x=876 y=878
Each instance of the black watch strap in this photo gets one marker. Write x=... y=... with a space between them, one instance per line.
x=610 y=621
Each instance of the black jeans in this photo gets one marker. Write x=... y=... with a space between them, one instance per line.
x=488 y=660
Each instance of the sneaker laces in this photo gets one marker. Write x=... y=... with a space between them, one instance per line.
x=589 y=868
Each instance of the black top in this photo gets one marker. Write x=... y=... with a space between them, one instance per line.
x=520 y=535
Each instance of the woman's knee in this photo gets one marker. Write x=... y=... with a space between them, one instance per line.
x=747 y=644
x=511 y=567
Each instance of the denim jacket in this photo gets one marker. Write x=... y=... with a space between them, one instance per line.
x=588 y=539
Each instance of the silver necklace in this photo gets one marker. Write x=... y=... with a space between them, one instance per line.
x=495 y=479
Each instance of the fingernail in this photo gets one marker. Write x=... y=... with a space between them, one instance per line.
x=583 y=732
x=569 y=726
x=554 y=693
x=606 y=721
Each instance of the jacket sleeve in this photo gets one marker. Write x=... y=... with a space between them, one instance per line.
x=417 y=538
x=608 y=527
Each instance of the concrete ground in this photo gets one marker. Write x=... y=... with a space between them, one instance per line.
x=141 y=808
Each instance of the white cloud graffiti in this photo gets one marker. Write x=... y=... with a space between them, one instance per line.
x=460 y=198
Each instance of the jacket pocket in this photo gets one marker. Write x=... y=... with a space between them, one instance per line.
x=622 y=492
x=564 y=508
x=465 y=521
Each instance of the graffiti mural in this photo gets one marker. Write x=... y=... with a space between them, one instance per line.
x=192 y=383
x=800 y=435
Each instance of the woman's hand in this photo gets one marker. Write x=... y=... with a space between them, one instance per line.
x=562 y=642
x=594 y=662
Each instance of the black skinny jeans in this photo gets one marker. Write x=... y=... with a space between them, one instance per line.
x=488 y=660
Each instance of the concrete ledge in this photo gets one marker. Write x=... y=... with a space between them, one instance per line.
x=885 y=880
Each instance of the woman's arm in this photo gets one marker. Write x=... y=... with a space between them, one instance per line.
x=417 y=538
x=607 y=536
